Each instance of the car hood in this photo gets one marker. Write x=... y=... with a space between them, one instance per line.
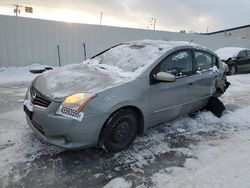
x=62 y=82
x=228 y=52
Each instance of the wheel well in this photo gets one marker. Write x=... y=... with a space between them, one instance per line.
x=137 y=111
x=218 y=92
x=140 y=118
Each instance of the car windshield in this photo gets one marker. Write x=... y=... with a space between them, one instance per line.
x=130 y=57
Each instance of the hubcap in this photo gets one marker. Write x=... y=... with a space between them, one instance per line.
x=121 y=130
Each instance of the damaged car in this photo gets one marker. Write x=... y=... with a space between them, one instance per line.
x=237 y=59
x=109 y=99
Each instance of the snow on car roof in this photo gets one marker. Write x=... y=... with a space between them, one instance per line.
x=228 y=52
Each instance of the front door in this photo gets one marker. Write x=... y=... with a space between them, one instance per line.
x=248 y=61
x=242 y=61
x=171 y=99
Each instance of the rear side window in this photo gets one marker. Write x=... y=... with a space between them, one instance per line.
x=204 y=61
x=242 y=54
x=179 y=64
x=248 y=53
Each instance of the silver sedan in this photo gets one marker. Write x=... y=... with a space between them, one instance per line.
x=109 y=99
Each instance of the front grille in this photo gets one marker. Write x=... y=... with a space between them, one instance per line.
x=38 y=98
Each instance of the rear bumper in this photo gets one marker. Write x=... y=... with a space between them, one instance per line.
x=65 y=132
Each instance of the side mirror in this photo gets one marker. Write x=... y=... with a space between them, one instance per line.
x=239 y=57
x=165 y=77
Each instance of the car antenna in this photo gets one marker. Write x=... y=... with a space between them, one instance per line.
x=191 y=41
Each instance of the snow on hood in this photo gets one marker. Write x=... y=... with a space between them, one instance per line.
x=75 y=78
x=228 y=52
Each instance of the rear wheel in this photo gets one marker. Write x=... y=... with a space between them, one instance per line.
x=232 y=70
x=120 y=130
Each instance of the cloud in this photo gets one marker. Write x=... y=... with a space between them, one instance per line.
x=173 y=15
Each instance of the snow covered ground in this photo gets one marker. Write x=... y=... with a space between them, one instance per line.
x=199 y=151
x=18 y=74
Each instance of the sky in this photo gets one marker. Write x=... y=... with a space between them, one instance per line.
x=171 y=15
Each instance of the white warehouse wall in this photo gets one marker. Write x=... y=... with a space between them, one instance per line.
x=243 y=33
x=25 y=41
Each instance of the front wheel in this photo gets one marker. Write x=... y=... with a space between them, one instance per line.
x=119 y=131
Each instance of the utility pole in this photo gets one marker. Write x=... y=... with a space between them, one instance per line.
x=16 y=10
x=154 y=22
x=101 y=19
x=207 y=28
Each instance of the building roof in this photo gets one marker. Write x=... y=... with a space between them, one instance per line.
x=226 y=30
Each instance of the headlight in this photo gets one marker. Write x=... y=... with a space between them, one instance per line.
x=73 y=105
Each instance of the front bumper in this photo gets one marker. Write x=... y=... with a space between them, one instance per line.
x=66 y=132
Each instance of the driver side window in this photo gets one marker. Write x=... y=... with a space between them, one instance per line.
x=179 y=64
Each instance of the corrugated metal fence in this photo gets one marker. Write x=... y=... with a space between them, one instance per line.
x=25 y=41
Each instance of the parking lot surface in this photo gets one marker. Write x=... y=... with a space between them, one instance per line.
x=188 y=151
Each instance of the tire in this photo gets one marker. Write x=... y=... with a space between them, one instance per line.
x=233 y=70
x=120 y=130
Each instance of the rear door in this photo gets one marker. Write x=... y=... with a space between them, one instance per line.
x=205 y=76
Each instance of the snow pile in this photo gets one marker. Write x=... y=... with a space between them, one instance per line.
x=239 y=83
x=118 y=183
x=18 y=74
x=19 y=143
x=218 y=163
x=228 y=52
x=206 y=122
